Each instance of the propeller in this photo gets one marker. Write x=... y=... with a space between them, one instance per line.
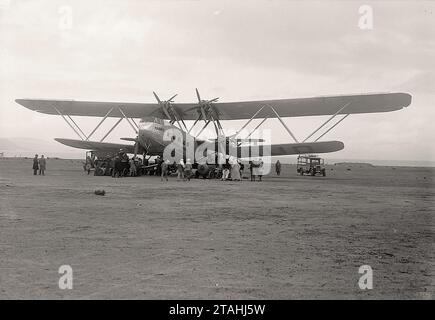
x=170 y=100
x=165 y=104
x=204 y=102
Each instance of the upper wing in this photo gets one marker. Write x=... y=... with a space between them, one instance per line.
x=328 y=105
x=92 y=108
x=318 y=106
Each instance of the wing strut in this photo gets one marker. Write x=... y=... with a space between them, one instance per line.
x=80 y=133
x=113 y=128
x=327 y=121
x=259 y=125
x=288 y=129
x=283 y=123
x=205 y=126
x=99 y=124
x=72 y=127
x=248 y=122
x=263 y=121
x=128 y=120
x=344 y=117
x=69 y=117
x=135 y=124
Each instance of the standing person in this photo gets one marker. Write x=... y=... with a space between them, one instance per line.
x=118 y=168
x=180 y=170
x=235 y=171
x=165 y=168
x=139 y=168
x=278 y=167
x=159 y=162
x=242 y=167
x=88 y=168
x=125 y=165
x=226 y=170
x=251 y=169
x=35 y=165
x=112 y=165
x=133 y=171
x=42 y=165
x=260 y=169
x=188 y=169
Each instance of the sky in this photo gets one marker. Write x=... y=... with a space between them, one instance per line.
x=236 y=50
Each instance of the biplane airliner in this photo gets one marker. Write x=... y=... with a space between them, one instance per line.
x=150 y=120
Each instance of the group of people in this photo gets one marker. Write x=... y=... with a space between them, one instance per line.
x=121 y=165
x=233 y=169
x=229 y=170
x=117 y=166
x=184 y=170
x=256 y=169
x=39 y=164
x=135 y=163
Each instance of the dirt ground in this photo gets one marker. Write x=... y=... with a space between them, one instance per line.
x=287 y=237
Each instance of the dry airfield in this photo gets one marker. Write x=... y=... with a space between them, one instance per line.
x=286 y=237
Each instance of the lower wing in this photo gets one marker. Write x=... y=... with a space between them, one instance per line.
x=289 y=149
x=242 y=151
x=97 y=146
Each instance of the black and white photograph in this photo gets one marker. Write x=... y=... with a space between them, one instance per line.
x=216 y=150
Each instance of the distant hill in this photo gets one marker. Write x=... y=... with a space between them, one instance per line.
x=12 y=144
x=354 y=164
x=27 y=147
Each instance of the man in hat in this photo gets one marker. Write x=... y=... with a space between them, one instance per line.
x=226 y=169
x=165 y=169
x=180 y=170
x=278 y=167
x=188 y=169
x=159 y=162
x=42 y=165
x=35 y=165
